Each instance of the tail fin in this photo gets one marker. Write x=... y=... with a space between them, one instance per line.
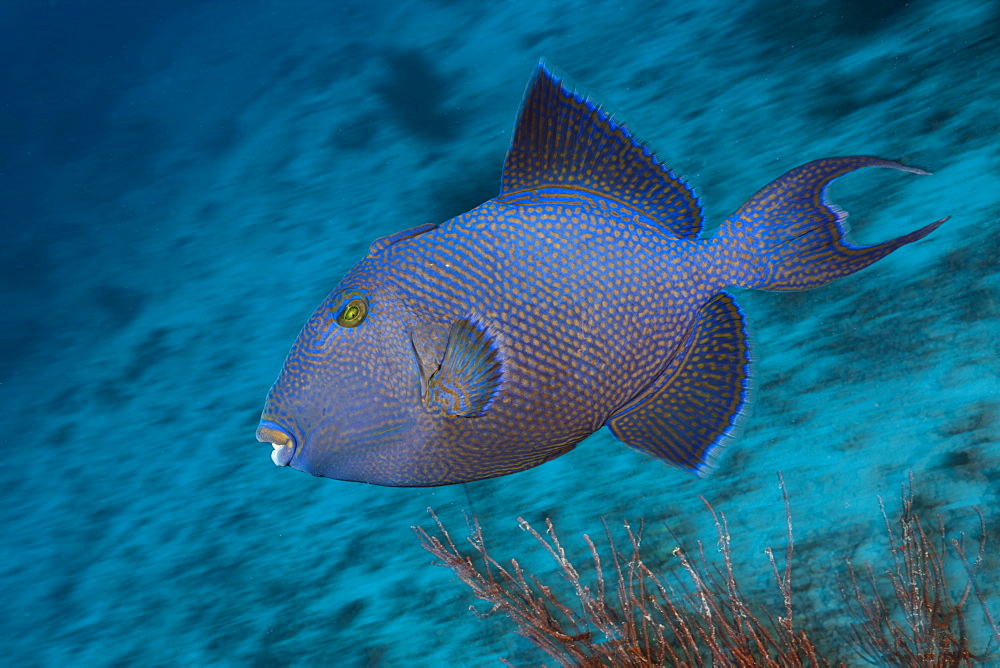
x=789 y=237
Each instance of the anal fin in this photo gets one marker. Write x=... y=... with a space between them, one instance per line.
x=692 y=410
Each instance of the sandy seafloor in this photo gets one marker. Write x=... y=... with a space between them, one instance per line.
x=183 y=182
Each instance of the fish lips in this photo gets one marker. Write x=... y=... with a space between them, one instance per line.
x=340 y=447
x=283 y=442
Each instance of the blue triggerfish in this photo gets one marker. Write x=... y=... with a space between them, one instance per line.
x=581 y=296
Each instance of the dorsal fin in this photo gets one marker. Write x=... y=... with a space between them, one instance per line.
x=563 y=139
x=382 y=243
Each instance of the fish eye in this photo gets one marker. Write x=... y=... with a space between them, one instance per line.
x=353 y=313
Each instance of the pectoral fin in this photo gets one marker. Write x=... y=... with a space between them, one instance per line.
x=694 y=407
x=470 y=373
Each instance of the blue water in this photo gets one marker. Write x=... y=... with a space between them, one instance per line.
x=182 y=182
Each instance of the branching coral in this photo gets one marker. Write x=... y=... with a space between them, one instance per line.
x=923 y=623
x=626 y=614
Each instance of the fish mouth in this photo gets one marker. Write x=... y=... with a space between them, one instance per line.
x=282 y=441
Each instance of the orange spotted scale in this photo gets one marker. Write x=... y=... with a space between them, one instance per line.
x=582 y=296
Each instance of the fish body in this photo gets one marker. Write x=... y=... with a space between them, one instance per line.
x=582 y=296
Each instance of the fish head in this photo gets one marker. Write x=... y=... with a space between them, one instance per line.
x=346 y=404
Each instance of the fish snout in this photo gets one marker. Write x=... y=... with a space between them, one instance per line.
x=283 y=443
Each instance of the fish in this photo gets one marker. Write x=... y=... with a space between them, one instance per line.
x=582 y=296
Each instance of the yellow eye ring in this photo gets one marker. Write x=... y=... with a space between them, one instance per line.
x=353 y=313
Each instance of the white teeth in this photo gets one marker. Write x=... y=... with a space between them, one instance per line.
x=282 y=453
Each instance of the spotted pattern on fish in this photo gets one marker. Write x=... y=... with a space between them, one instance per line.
x=581 y=296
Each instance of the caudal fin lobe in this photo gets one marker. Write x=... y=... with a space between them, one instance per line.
x=790 y=237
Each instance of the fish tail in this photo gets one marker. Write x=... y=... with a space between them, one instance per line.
x=790 y=237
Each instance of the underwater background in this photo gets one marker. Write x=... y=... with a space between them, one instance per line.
x=182 y=182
